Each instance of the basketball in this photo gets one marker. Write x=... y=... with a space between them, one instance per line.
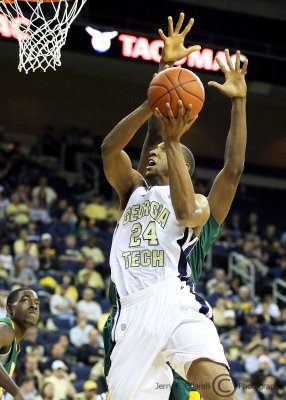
x=175 y=84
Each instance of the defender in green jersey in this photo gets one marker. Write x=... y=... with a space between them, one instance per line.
x=224 y=186
x=23 y=308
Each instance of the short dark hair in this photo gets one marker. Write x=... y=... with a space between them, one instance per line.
x=189 y=158
x=13 y=296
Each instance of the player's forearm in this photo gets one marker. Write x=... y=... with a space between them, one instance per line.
x=7 y=383
x=236 y=140
x=153 y=137
x=124 y=131
x=181 y=187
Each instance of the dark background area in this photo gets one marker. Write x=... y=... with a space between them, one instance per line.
x=93 y=90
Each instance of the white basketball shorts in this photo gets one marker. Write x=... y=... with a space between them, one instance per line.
x=159 y=324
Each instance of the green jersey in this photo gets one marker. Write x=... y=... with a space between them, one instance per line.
x=10 y=364
x=181 y=388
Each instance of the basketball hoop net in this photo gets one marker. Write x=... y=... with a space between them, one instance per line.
x=41 y=27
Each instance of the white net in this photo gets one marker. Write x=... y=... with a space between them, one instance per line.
x=41 y=27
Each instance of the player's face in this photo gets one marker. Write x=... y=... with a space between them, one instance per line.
x=157 y=162
x=26 y=309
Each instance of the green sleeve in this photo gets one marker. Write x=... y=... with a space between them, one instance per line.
x=207 y=236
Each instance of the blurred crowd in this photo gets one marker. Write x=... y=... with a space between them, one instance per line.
x=56 y=236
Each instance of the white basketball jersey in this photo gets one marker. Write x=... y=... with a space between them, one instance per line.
x=149 y=245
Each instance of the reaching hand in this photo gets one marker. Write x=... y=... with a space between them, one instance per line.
x=173 y=128
x=174 y=49
x=234 y=85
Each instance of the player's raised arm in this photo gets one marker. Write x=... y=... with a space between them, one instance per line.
x=6 y=340
x=192 y=210
x=225 y=184
x=173 y=50
x=117 y=165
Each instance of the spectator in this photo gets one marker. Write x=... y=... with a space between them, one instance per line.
x=250 y=324
x=33 y=234
x=252 y=360
x=219 y=277
x=60 y=303
x=235 y=284
x=3 y=272
x=37 y=213
x=20 y=243
x=81 y=208
x=220 y=293
x=272 y=308
x=70 y=250
x=48 y=260
x=89 y=306
x=47 y=392
x=218 y=312
x=94 y=278
x=31 y=339
x=63 y=387
x=89 y=391
x=67 y=280
x=229 y=322
x=244 y=300
x=22 y=274
x=17 y=210
x=31 y=261
x=27 y=387
x=58 y=352
x=83 y=230
x=59 y=208
x=90 y=250
x=270 y=387
x=93 y=351
x=6 y=257
x=79 y=333
x=4 y=201
x=44 y=191
x=32 y=371
x=61 y=228
x=265 y=367
x=9 y=231
x=96 y=210
x=244 y=390
x=233 y=345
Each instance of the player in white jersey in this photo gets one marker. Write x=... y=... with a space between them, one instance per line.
x=158 y=316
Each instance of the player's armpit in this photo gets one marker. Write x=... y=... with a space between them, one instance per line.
x=222 y=193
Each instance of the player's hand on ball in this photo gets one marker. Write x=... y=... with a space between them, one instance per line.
x=234 y=85
x=174 y=49
x=173 y=128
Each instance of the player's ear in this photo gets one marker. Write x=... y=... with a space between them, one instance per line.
x=9 y=309
x=188 y=166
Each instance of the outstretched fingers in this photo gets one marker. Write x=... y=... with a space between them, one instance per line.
x=162 y=35
x=237 y=61
x=180 y=22
x=221 y=65
x=188 y=27
x=170 y=26
x=228 y=60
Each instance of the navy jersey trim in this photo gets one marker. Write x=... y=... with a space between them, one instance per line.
x=187 y=244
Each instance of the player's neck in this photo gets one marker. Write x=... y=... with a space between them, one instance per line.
x=159 y=180
x=19 y=331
